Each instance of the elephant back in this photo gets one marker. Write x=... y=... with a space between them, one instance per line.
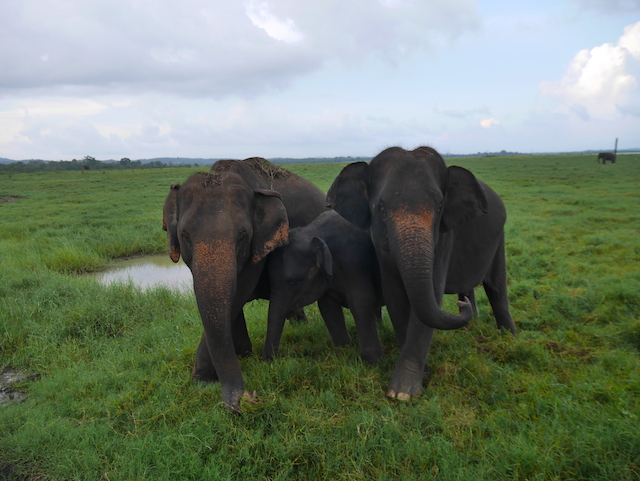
x=301 y=198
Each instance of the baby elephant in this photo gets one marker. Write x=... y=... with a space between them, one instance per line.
x=331 y=261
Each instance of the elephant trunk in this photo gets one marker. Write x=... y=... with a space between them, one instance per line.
x=413 y=250
x=215 y=279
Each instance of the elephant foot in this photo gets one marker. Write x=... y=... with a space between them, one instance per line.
x=231 y=398
x=232 y=402
x=406 y=383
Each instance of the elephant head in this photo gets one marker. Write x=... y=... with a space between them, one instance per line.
x=410 y=200
x=223 y=227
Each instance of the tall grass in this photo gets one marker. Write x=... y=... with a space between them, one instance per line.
x=114 y=399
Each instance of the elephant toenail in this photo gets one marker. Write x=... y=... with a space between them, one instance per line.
x=248 y=395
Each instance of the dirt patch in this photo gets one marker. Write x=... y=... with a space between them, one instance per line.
x=9 y=378
x=8 y=473
x=7 y=199
x=264 y=169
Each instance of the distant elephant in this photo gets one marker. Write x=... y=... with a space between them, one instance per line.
x=331 y=261
x=607 y=156
x=436 y=230
x=223 y=224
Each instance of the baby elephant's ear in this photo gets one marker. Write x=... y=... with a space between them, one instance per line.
x=349 y=196
x=324 y=260
x=270 y=224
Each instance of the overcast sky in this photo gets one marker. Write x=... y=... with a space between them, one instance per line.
x=318 y=78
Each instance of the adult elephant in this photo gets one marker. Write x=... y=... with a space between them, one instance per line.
x=607 y=156
x=436 y=230
x=223 y=224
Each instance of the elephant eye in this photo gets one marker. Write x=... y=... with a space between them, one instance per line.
x=383 y=211
x=186 y=237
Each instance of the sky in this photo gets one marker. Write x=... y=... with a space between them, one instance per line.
x=321 y=78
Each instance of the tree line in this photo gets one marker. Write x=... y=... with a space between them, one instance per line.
x=88 y=163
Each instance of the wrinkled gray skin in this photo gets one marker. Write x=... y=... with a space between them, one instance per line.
x=331 y=261
x=224 y=224
x=606 y=156
x=436 y=230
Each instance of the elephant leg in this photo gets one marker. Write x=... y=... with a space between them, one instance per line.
x=364 y=315
x=406 y=381
x=241 y=340
x=496 y=288
x=471 y=295
x=331 y=311
x=275 y=326
x=203 y=368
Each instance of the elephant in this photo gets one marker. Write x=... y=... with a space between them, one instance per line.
x=435 y=230
x=607 y=156
x=224 y=224
x=331 y=261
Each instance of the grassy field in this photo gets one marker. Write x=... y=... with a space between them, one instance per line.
x=110 y=395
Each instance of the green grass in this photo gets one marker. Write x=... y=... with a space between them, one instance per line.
x=114 y=399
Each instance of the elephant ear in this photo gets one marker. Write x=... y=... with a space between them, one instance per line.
x=324 y=260
x=270 y=224
x=170 y=222
x=349 y=196
x=464 y=199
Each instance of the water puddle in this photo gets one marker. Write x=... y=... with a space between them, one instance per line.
x=148 y=272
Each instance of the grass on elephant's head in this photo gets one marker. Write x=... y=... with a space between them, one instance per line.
x=114 y=398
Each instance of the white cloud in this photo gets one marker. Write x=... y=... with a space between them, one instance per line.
x=210 y=48
x=61 y=107
x=33 y=112
x=283 y=30
x=600 y=82
x=488 y=123
x=631 y=40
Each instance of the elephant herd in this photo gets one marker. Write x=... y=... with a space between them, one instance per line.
x=401 y=231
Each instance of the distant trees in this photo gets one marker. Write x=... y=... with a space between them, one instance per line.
x=86 y=163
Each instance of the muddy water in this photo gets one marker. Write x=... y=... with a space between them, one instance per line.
x=148 y=272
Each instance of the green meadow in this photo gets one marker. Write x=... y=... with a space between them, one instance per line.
x=108 y=389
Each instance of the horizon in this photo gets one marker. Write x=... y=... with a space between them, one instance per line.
x=355 y=157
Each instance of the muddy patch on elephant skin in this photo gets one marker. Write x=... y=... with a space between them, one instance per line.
x=7 y=199
x=9 y=378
